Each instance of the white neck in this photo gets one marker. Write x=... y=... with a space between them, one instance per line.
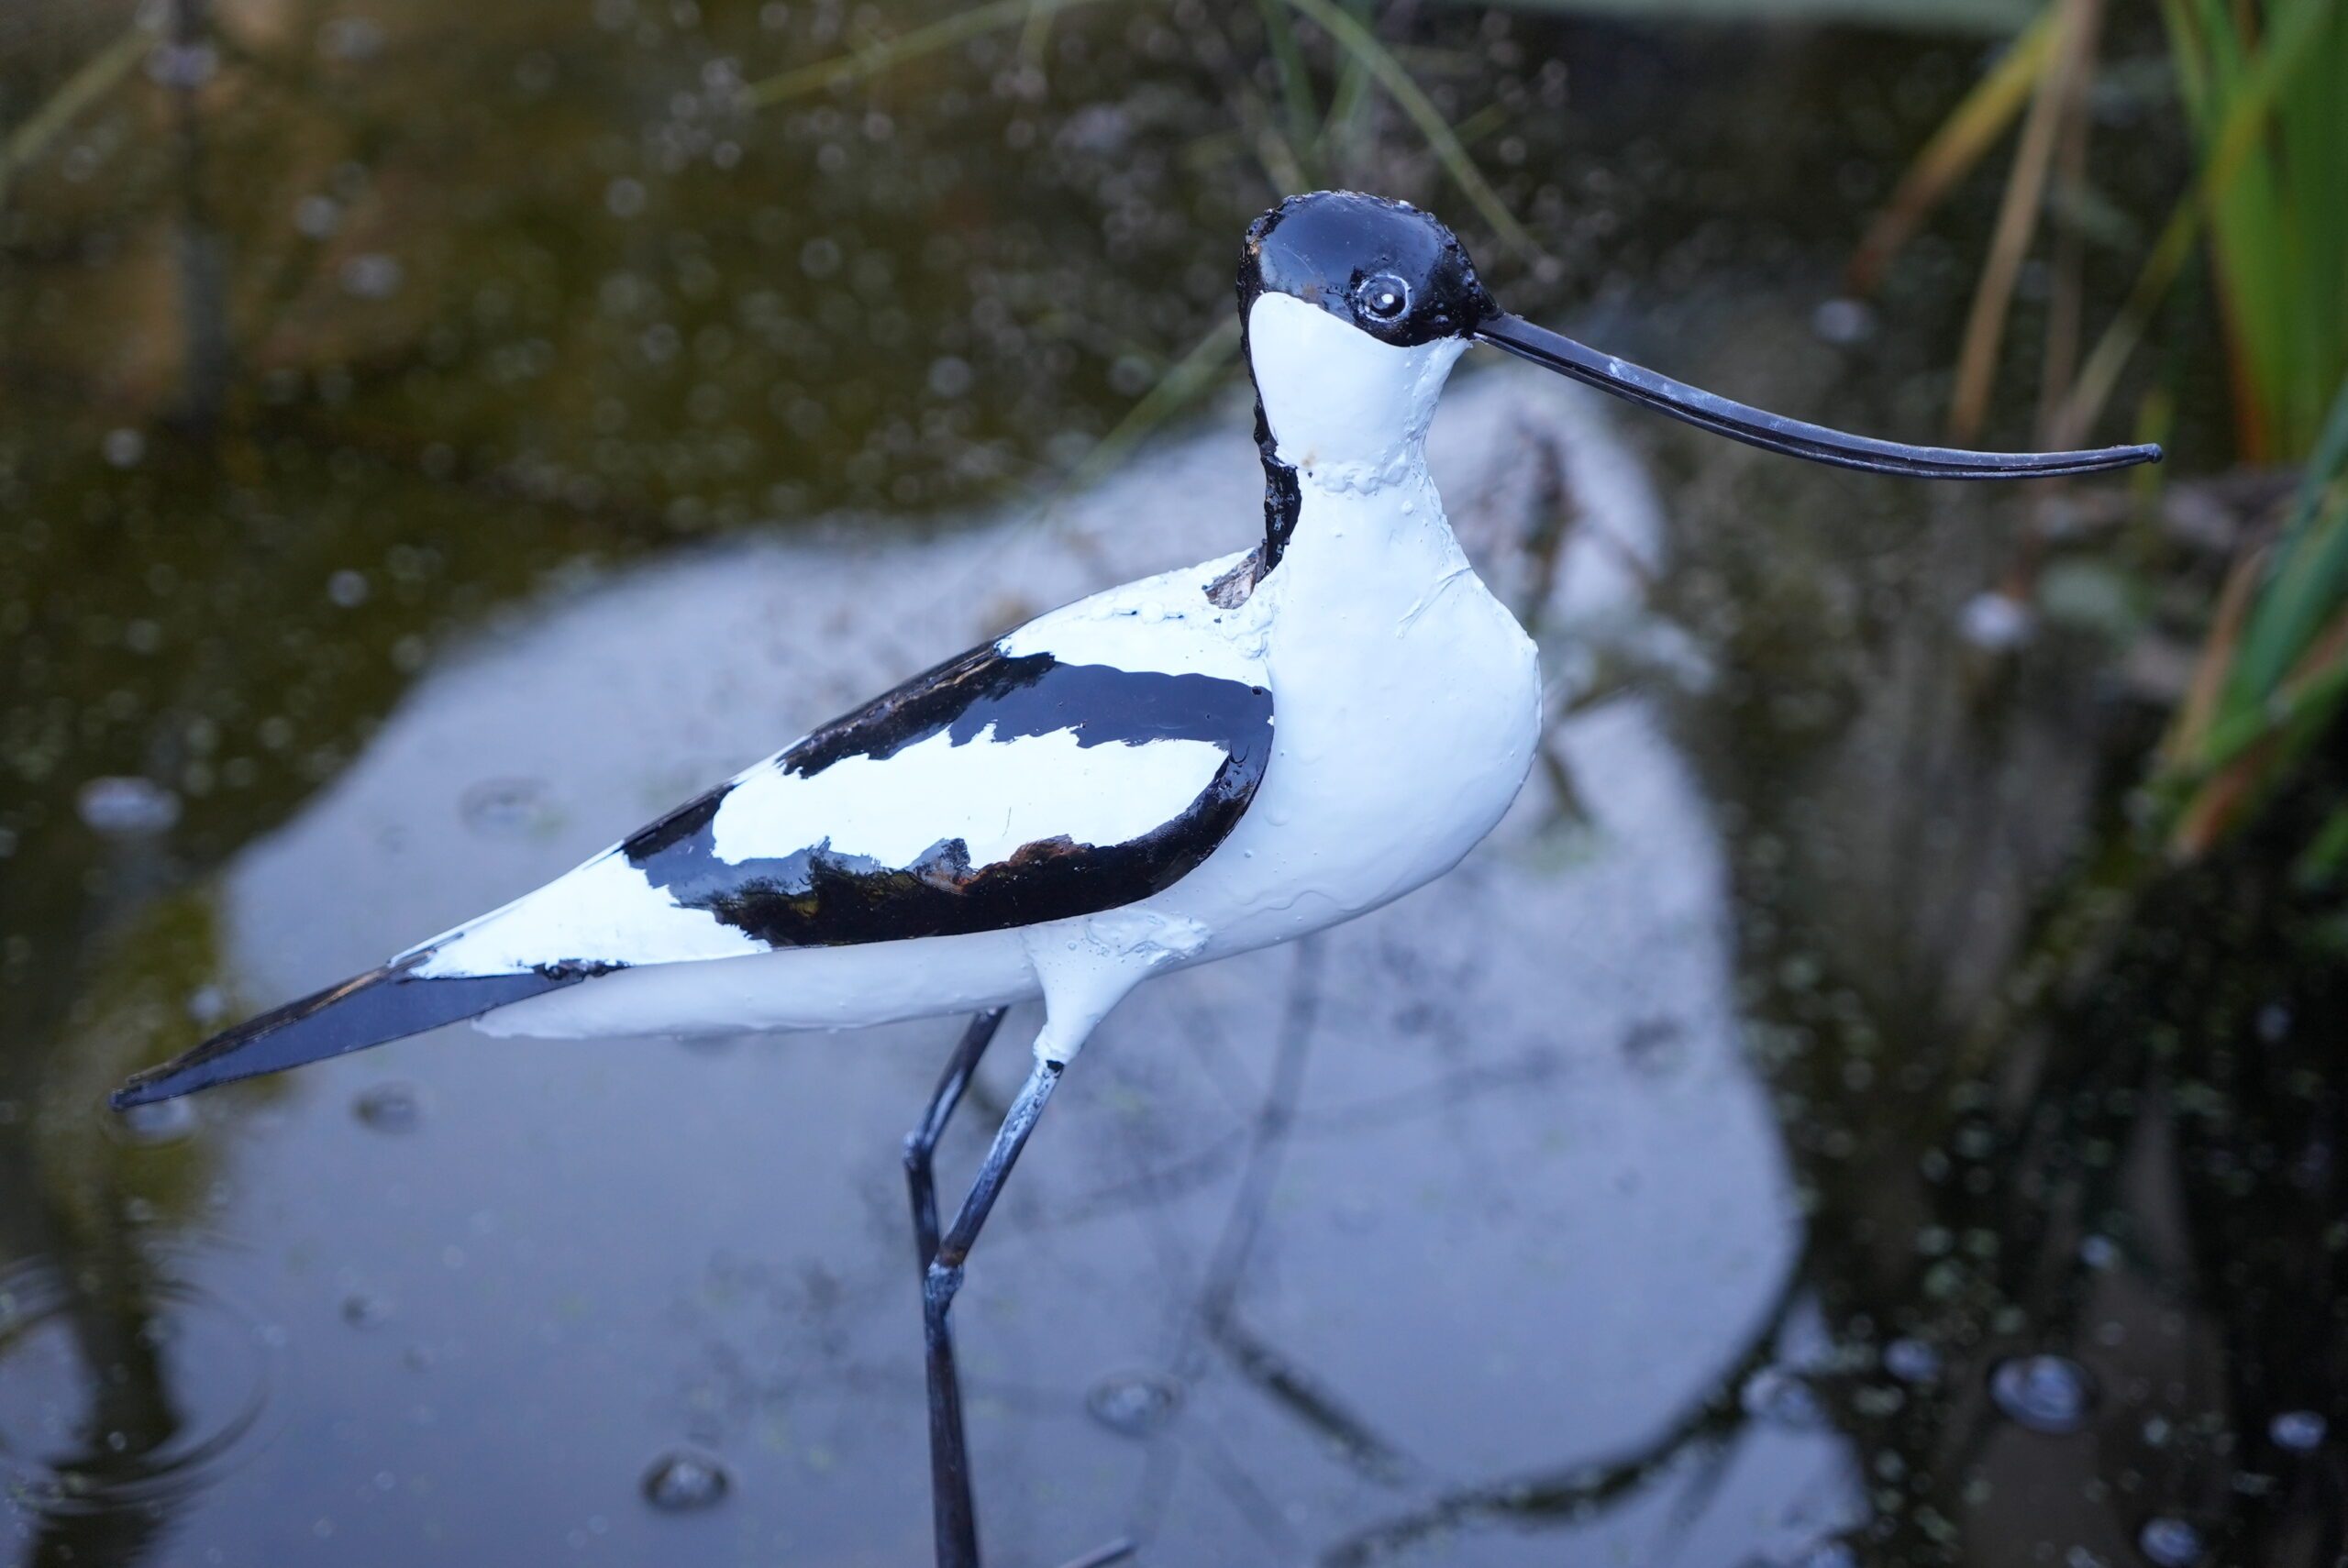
x=1349 y=414
x=1345 y=411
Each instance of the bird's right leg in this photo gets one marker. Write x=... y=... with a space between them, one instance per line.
x=955 y=1515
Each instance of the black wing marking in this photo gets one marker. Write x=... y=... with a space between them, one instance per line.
x=817 y=897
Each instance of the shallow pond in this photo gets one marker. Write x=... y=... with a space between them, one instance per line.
x=447 y=440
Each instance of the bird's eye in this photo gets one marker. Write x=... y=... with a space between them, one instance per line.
x=1385 y=297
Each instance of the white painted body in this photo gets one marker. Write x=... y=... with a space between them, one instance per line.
x=1406 y=705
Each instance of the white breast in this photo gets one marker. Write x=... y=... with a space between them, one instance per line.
x=1409 y=706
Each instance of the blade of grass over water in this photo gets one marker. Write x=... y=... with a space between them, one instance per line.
x=2275 y=671
x=2077 y=24
x=96 y=77
x=2308 y=579
x=2296 y=34
x=875 y=58
x=1964 y=139
x=1379 y=62
x=1183 y=382
x=1296 y=83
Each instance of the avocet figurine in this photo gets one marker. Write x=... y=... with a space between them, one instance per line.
x=1169 y=772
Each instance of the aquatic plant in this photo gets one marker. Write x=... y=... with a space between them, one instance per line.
x=2273 y=672
x=2266 y=87
x=2263 y=87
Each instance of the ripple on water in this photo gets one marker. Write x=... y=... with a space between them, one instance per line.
x=684 y=1481
x=508 y=808
x=2045 y=1393
x=183 y=1402
x=1134 y=1403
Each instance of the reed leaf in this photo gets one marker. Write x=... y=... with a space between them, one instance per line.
x=887 y=53
x=92 y=81
x=1979 y=119
x=1379 y=64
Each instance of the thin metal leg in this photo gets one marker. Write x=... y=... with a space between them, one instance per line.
x=921 y=1143
x=949 y=1460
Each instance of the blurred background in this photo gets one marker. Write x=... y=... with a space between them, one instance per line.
x=1879 y=1099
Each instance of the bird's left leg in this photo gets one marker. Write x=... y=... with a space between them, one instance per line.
x=1075 y=999
x=921 y=1143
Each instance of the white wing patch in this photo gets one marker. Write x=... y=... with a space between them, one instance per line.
x=604 y=912
x=1164 y=623
x=994 y=796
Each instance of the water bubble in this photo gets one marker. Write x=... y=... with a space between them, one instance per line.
x=1842 y=322
x=364 y=1310
x=1134 y=1403
x=351 y=38
x=347 y=588
x=1912 y=1360
x=2168 y=1542
x=820 y=256
x=1781 y=1396
x=374 y=276
x=182 y=66
x=127 y=807
x=389 y=1107
x=156 y=1121
x=2045 y=1393
x=124 y=448
x=316 y=217
x=2300 y=1431
x=1995 y=621
x=623 y=197
x=685 y=1481
x=950 y=376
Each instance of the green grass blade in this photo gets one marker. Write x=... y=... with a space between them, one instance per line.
x=1304 y=113
x=874 y=59
x=2237 y=137
x=93 y=79
x=1358 y=42
x=2309 y=580
x=1182 y=384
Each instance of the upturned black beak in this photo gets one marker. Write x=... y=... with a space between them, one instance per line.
x=1776 y=432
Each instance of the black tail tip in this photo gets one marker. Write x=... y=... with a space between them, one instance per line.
x=138 y=1091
